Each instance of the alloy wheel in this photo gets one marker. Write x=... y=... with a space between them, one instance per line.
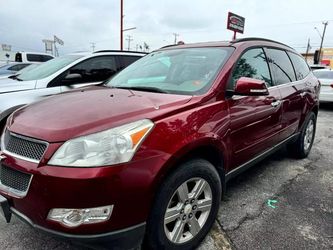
x=188 y=210
x=308 y=137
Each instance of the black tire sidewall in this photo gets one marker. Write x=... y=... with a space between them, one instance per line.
x=155 y=236
x=302 y=152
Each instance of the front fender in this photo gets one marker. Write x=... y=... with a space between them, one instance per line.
x=4 y=114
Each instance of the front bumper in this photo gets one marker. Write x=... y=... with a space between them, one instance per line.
x=127 y=238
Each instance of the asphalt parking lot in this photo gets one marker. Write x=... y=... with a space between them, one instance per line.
x=281 y=203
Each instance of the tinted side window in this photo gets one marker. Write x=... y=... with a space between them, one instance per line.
x=95 y=69
x=283 y=71
x=38 y=58
x=253 y=64
x=127 y=60
x=34 y=58
x=301 y=67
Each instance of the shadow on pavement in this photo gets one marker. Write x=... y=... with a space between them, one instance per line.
x=256 y=170
x=327 y=106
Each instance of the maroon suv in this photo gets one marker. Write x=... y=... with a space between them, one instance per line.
x=145 y=157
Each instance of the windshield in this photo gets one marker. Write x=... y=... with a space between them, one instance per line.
x=323 y=74
x=179 y=71
x=48 y=68
x=26 y=69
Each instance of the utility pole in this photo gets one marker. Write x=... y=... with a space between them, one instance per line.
x=307 y=49
x=129 y=39
x=93 y=46
x=322 y=40
x=176 y=35
x=121 y=23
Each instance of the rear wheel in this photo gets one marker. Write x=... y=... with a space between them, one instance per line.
x=302 y=146
x=185 y=207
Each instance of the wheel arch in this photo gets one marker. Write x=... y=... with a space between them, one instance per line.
x=314 y=109
x=6 y=113
x=207 y=149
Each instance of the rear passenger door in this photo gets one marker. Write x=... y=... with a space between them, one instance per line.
x=291 y=90
x=254 y=120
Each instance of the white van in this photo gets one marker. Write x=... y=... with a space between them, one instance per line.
x=26 y=57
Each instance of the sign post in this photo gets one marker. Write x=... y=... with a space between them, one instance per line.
x=235 y=23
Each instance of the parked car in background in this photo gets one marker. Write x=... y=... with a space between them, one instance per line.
x=59 y=75
x=14 y=75
x=146 y=155
x=12 y=68
x=325 y=77
x=24 y=57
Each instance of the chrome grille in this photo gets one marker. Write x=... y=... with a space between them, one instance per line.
x=24 y=147
x=14 y=179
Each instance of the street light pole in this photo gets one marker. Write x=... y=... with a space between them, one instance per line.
x=121 y=23
x=322 y=41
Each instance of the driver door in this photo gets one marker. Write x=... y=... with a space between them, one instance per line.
x=92 y=71
x=255 y=121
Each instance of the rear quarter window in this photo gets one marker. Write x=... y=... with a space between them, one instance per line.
x=301 y=67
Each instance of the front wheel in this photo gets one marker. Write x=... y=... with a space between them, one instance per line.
x=185 y=207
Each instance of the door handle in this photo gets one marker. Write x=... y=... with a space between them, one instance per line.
x=303 y=94
x=276 y=103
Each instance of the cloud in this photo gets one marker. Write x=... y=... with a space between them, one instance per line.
x=79 y=22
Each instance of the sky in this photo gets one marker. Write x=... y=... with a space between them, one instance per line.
x=24 y=24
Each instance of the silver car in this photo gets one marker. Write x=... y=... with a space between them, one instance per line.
x=12 y=68
x=59 y=75
x=325 y=77
x=26 y=69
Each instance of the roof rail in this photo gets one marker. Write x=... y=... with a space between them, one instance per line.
x=167 y=46
x=124 y=51
x=258 y=39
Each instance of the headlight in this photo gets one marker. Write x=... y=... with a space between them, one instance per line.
x=113 y=146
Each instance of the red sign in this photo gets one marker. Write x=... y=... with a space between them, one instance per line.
x=235 y=23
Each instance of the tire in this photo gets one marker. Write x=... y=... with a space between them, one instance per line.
x=2 y=127
x=302 y=146
x=185 y=208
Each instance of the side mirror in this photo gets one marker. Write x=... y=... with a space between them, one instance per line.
x=250 y=87
x=73 y=76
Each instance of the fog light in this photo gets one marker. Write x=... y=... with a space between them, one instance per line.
x=72 y=217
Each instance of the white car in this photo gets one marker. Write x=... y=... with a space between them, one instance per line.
x=325 y=77
x=60 y=75
x=14 y=75
x=24 y=57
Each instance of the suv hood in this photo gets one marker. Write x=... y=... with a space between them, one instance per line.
x=89 y=110
x=12 y=85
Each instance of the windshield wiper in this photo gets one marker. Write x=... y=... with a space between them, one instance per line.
x=15 y=77
x=143 y=88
